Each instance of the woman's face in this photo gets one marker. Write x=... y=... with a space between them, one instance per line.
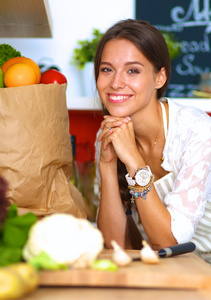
x=127 y=81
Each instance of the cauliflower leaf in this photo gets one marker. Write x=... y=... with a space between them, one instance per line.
x=7 y=52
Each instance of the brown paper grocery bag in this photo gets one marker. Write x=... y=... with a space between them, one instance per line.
x=35 y=150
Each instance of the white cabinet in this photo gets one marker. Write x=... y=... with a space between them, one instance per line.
x=25 y=19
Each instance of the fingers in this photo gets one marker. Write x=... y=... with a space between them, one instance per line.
x=113 y=121
x=109 y=116
x=106 y=143
x=107 y=130
x=109 y=123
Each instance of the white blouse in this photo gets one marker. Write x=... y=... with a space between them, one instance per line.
x=186 y=190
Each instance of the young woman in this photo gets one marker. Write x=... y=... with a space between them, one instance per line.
x=153 y=155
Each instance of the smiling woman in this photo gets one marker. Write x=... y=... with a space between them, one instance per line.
x=129 y=72
x=153 y=155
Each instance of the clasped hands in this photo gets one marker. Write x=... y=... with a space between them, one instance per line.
x=118 y=140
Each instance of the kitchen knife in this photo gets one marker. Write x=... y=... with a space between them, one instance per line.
x=174 y=250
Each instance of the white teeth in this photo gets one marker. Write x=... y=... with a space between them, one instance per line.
x=118 y=97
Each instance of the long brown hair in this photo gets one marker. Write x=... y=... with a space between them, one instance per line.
x=152 y=44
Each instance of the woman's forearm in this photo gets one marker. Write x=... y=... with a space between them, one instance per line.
x=111 y=218
x=154 y=216
x=155 y=219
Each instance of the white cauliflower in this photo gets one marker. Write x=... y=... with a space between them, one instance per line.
x=66 y=239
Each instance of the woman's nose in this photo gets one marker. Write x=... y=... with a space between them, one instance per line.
x=118 y=81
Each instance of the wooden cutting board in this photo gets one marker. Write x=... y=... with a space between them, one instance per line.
x=185 y=271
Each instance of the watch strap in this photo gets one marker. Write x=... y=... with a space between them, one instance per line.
x=130 y=180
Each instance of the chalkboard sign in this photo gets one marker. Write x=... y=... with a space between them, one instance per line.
x=190 y=23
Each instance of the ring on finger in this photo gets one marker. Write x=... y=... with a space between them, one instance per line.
x=109 y=128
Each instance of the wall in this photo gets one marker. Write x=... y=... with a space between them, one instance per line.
x=71 y=21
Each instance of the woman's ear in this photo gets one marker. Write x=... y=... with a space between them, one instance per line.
x=161 y=78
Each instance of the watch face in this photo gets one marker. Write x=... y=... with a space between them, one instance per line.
x=142 y=177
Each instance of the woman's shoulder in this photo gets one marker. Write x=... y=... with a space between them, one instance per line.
x=187 y=125
x=186 y=113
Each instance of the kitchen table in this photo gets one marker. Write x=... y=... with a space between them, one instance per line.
x=181 y=277
x=72 y=293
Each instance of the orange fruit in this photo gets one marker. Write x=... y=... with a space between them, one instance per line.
x=18 y=75
x=24 y=60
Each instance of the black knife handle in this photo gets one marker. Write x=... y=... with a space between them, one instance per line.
x=177 y=249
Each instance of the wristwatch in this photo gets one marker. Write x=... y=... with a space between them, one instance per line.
x=141 y=177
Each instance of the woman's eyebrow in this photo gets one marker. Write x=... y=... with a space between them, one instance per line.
x=126 y=64
x=105 y=63
x=134 y=63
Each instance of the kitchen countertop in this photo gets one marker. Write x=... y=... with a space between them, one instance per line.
x=180 y=277
x=73 y=293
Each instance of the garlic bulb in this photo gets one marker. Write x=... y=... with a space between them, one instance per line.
x=148 y=255
x=119 y=256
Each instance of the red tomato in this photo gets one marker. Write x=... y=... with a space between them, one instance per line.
x=53 y=76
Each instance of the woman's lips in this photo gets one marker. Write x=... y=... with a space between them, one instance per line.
x=114 y=98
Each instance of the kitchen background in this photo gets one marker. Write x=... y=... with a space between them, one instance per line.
x=71 y=21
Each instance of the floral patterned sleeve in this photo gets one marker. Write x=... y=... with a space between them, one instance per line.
x=189 y=155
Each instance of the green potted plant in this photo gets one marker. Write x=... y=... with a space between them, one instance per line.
x=173 y=45
x=83 y=58
x=85 y=52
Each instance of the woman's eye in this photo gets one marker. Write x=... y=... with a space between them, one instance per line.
x=133 y=71
x=105 y=70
